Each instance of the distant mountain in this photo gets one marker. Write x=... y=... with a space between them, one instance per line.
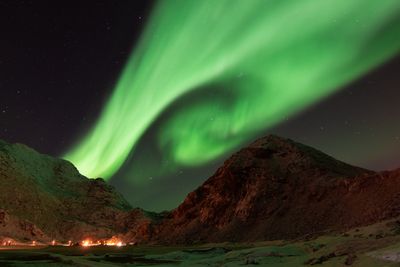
x=43 y=198
x=279 y=189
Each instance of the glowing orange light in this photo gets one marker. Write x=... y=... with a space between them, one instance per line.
x=110 y=242
x=86 y=243
x=114 y=241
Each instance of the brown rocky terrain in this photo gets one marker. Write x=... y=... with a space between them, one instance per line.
x=279 y=189
x=273 y=189
x=43 y=198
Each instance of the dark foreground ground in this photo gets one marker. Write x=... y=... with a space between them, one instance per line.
x=375 y=245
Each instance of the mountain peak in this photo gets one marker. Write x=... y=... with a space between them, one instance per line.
x=277 y=188
x=51 y=197
x=285 y=154
x=269 y=139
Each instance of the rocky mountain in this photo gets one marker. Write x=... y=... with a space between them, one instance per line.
x=43 y=198
x=279 y=189
x=273 y=189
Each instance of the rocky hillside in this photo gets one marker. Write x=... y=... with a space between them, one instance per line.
x=43 y=198
x=279 y=189
x=273 y=189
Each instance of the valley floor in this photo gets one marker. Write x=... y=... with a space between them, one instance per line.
x=375 y=245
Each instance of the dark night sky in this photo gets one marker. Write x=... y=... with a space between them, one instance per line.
x=59 y=61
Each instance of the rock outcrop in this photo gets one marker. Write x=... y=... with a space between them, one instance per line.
x=279 y=189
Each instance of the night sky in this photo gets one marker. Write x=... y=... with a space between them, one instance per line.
x=61 y=60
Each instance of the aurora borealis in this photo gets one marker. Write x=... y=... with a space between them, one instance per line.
x=262 y=61
x=155 y=95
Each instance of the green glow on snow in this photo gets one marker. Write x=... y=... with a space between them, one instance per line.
x=264 y=59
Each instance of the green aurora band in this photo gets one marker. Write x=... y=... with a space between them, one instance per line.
x=259 y=61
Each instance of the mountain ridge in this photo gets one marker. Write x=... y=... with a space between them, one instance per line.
x=274 y=188
x=55 y=200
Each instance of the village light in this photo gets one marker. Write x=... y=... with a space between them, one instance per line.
x=86 y=243
x=110 y=242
